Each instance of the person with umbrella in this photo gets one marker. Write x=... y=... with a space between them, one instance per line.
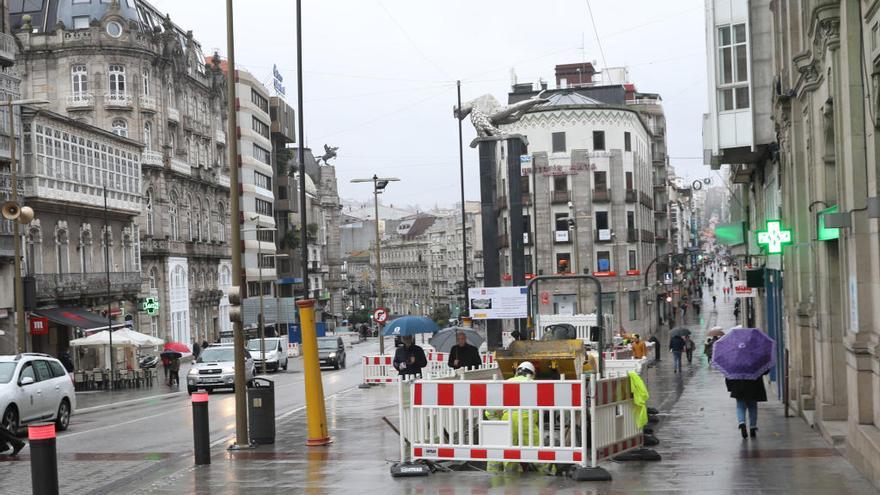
x=745 y=355
x=462 y=354
x=409 y=359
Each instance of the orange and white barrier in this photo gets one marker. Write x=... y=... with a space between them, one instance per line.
x=541 y=421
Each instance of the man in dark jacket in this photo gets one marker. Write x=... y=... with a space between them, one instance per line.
x=409 y=359
x=463 y=355
x=676 y=345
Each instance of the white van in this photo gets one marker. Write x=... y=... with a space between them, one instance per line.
x=275 y=355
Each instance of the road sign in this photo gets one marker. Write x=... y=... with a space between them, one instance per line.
x=380 y=315
x=667 y=278
x=151 y=306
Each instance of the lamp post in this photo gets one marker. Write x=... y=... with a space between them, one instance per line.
x=23 y=215
x=379 y=184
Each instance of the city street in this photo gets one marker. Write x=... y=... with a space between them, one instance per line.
x=107 y=448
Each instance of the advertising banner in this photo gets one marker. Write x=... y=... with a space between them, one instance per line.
x=497 y=303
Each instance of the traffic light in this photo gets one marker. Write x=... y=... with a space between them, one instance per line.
x=234 y=295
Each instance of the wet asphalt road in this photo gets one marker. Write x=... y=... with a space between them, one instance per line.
x=164 y=425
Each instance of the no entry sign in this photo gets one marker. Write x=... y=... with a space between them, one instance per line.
x=380 y=315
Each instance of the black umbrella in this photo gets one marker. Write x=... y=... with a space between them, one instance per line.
x=681 y=332
x=170 y=355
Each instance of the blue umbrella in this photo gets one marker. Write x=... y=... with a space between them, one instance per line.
x=410 y=325
x=744 y=354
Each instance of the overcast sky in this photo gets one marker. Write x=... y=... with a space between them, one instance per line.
x=380 y=74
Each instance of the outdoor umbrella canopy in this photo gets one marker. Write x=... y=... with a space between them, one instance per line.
x=715 y=332
x=410 y=325
x=444 y=340
x=122 y=337
x=177 y=347
x=744 y=354
x=681 y=332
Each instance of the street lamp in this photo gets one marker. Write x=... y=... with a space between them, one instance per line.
x=379 y=184
x=20 y=215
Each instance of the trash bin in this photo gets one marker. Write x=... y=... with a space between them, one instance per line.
x=261 y=410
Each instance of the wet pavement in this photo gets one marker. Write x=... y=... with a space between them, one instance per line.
x=701 y=447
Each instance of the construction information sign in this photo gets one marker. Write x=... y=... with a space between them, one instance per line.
x=741 y=289
x=498 y=303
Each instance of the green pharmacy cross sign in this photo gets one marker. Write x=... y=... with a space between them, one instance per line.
x=151 y=306
x=774 y=237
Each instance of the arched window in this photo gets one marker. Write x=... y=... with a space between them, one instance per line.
x=148 y=136
x=146 y=77
x=116 y=73
x=62 y=248
x=107 y=246
x=150 y=212
x=35 y=248
x=154 y=278
x=173 y=211
x=85 y=248
x=221 y=222
x=120 y=127
x=206 y=221
x=190 y=232
x=197 y=217
x=79 y=82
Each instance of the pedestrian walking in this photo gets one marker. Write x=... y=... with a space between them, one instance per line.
x=409 y=359
x=197 y=349
x=656 y=342
x=174 y=372
x=676 y=346
x=747 y=394
x=463 y=355
x=689 y=347
x=166 y=367
x=714 y=299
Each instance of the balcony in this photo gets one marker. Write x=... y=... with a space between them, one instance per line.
x=647 y=236
x=660 y=237
x=54 y=286
x=7 y=50
x=601 y=195
x=173 y=114
x=118 y=101
x=560 y=197
x=80 y=101
x=631 y=235
x=631 y=195
x=165 y=246
x=180 y=166
x=223 y=180
x=7 y=247
x=660 y=213
x=646 y=200
x=602 y=235
x=659 y=185
x=148 y=103
x=220 y=136
x=153 y=159
x=658 y=157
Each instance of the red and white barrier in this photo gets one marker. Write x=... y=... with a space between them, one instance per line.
x=380 y=368
x=531 y=421
x=623 y=366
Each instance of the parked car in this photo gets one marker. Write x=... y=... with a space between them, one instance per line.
x=35 y=388
x=276 y=352
x=215 y=368
x=331 y=352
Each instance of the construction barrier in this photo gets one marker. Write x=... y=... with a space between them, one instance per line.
x=625 y=365
x=619 y=353
x=539 y=421
x=380 y=368
x=293 y=349
x=581 y=323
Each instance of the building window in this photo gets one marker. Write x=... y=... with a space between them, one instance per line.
x=560 y=183
x=258 y=100
x=120 y=127
x=262 y=154
x=525 y=184
x=81 y=21
x=262 y=180
x=260 y=127
x=632 y=260
x=633 y=305
x=149 y=208
x=563 y=262
x=154 y=278
x=114 y=29
x=85 y=248
x=282 y=192
x=630 y=221
x=561 y=222
x=600 y=181
x=117 y=79
x=527 y=223
x=601 y=220
x=173 y=215
x=267 y=261
x=733 y=72
x=79 y=82
x=527 y=264
x=148 y=136
x=263 y=207
x=559 y=142
x=627 y=141
x=599 y=140
x=629 y=181
x=603 y=261
x=146 y=78
x=221 y=223
x=265 y=235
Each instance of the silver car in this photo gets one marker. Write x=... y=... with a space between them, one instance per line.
x=35 y=388
x=215 y=368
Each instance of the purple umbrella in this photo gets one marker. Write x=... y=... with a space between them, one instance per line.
x=744 y=354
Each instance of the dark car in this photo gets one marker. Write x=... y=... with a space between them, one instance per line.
x=331 y=352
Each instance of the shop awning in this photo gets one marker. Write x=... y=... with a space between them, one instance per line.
x=75 y=317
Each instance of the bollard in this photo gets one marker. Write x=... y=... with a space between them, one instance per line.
x=201 y=430
x=44 y=461
x=316 y=415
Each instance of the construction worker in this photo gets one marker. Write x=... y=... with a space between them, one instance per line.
x=531 y=435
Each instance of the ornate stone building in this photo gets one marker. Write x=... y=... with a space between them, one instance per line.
x=126 y=68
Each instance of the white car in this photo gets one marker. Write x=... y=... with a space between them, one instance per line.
x=215 y=368
x=35 y=388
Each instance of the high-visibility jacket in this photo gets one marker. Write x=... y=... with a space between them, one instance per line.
x=640 y=398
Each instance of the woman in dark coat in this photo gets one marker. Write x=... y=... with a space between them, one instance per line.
x=747 y=394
